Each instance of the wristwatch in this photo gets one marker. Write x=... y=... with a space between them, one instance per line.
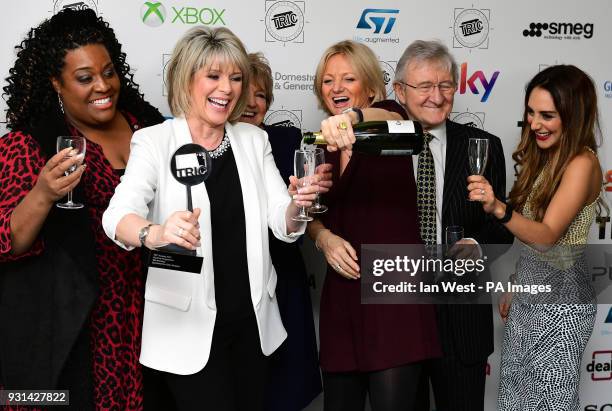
x=356 y=110
x=507 y=215
x=143 y=233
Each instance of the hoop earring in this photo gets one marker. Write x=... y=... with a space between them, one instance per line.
x=61 y=104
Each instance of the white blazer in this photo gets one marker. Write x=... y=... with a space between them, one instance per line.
x=180 y=310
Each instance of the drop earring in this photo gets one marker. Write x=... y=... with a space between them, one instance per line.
x=61 y=104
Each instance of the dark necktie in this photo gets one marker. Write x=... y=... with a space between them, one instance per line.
x=426 y=193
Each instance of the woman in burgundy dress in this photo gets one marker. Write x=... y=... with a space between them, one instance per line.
x=373 y=349
x=70 y=300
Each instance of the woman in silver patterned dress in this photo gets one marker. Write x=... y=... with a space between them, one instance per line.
x=555 y=197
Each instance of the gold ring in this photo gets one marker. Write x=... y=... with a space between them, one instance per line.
x=482 y=192
x=338 y=268
x=342 y=125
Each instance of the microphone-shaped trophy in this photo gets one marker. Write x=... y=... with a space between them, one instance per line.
x=190 y=165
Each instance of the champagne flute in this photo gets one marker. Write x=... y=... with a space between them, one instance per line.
x=478 y=151
x=77 y=144
x=317 y=207
x=304 y=169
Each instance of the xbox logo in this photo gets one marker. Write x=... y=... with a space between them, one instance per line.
x=153 y=14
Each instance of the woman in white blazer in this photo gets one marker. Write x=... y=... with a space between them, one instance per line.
x=206 y=335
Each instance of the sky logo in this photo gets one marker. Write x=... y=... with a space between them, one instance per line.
x=378 y=19
x=470 y=82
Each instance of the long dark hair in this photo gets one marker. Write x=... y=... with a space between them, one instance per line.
x=575 y=100
x=29 y=94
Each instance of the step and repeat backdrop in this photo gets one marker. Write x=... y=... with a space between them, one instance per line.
x=499 y=46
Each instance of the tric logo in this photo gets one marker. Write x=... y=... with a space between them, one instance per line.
x=75 y=5
x=285 y=20
x=377 y=18
x=471 y=28
x=153 y=14
x=285 y=118
x=388 y=70
x=468 y=118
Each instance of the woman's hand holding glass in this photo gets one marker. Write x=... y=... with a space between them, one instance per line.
x=304 y=195
x=53 y=183
x=304 y=166
x=76 y=148
x=479 y=189
x=323 y=177
x=181 y=228
x=303 y=191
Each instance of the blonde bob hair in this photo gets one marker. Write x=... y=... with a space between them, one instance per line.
x=261 y=75
x=364 y=63
x=199 y=48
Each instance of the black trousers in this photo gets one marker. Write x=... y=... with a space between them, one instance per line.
x=234 y=378
x=456 y=386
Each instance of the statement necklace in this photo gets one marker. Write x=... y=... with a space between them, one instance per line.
x=221 y=148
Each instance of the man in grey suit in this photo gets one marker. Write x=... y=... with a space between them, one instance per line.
x=425 y=84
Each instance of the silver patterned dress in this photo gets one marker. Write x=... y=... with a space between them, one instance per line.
x=546 y=335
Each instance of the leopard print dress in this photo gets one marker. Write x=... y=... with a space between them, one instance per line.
x=116 y=318
x=546 y=335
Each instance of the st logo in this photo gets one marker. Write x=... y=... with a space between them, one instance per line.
x=377 y=19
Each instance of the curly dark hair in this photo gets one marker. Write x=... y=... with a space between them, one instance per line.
x=40 y=56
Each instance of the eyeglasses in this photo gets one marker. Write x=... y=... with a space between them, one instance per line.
x=446 y=87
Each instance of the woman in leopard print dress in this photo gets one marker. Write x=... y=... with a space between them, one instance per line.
x=555 y=197
x=70 y=300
